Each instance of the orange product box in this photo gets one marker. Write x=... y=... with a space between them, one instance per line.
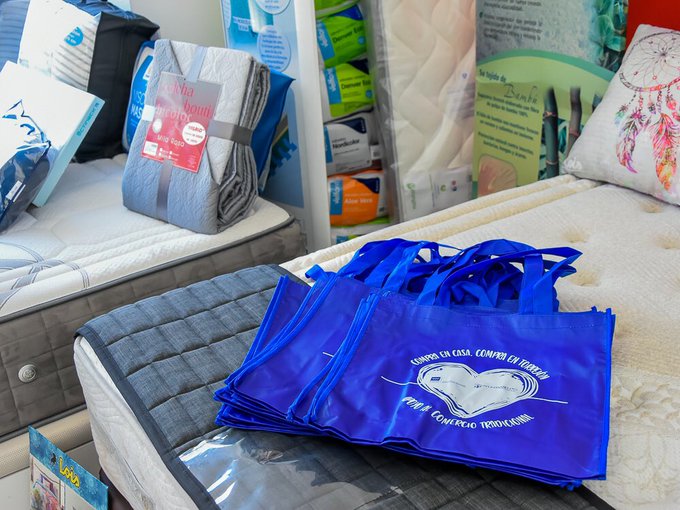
x=357 y=198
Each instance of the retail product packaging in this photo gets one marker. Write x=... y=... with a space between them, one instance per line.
x=344 y=234
x=341 y=37
x=140 y=80
x=327 y=7
x=57 y=482
x=424 y=77
x=437 y=190
x=64 y=113
x=191 y=162
x=351 y=143
x=346 y=89
x=357 y=198
x=268 y=126
x=91 y=45
x=24 y=163
x=541 y=71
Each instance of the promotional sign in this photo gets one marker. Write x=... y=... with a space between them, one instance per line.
x=282 y=34
x=180 y=123
x=58 y=482
x=542 y=67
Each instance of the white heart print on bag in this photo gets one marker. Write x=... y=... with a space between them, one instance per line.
x=468 y=393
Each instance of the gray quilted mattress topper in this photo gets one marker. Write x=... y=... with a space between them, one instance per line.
x=168 y=354
x=38 y=380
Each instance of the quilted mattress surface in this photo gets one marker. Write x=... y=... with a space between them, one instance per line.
x=631 y=247
x=83 y=254
x=425 y=67
x=84 y=237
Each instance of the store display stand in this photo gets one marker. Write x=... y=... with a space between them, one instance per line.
x=282 y=34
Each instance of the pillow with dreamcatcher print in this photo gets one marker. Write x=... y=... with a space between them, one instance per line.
x=633 y=137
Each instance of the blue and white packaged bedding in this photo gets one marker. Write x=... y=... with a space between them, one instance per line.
x=263 y=136
x=59 y=41
x=91 y=45
x=351 y=143
x=24 y=162
x=63 y=113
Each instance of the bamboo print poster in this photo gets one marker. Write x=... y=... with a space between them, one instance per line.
x=542 y=68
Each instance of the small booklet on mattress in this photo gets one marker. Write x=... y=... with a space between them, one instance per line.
x=63 y=112
x=58 y=482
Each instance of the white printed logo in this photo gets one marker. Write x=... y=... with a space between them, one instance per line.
x=150 y=148
x=468 y=393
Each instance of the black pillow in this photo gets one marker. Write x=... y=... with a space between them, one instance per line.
x=119 y=36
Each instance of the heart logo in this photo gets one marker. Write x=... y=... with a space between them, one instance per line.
x=468 y=393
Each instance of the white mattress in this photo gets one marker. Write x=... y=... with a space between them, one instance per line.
x=631 y=246
x=425 y=67
x=73 y=244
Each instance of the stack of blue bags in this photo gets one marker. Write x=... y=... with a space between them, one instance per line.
x=454 y=355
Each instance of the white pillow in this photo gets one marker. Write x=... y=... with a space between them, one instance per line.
x=633 y=137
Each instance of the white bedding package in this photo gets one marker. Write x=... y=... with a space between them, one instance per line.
x=59 y=41
x=64 y=113
x=630 y=243
x=423 y=62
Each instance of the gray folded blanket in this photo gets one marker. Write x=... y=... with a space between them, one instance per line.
x=225 y=186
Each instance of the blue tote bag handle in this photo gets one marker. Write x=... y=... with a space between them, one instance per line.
x=366 y=259
x=536 y=293
x=395 y=267
x=398 y=276
x=472 y=254
x=445 y=276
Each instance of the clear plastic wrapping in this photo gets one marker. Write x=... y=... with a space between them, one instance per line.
x=422 y=57
x=258 y=471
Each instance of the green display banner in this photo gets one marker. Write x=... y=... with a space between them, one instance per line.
x=542 y=68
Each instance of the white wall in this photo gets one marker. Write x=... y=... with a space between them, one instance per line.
x=196 y=21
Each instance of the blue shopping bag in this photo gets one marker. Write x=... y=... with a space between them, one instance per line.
x=246 y=408
x=524 y=392
x=249 y=409
x=405 y=262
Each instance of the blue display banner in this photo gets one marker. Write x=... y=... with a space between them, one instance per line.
x=267 y=30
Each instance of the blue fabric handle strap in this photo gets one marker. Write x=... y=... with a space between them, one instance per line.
x=529 y=298
x=397 y=277
x=468 y=256
x=541 y=296
x=365 y=259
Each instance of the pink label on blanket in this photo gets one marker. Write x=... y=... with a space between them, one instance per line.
x=179 y=129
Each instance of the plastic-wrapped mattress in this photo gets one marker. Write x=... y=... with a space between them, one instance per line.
x=423 y=64
x=83 y=254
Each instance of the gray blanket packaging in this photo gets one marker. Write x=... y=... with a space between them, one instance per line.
x=224 y=188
